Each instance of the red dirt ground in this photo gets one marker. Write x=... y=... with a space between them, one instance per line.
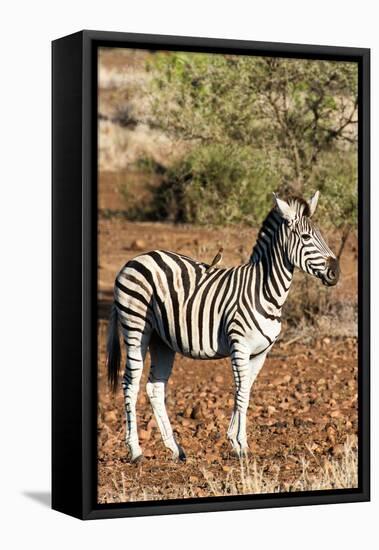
x=303 y=405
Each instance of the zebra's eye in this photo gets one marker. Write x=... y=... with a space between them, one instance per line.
x=305 y=236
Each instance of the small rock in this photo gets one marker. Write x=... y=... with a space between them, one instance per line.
x=188 y=412
x=197 y=412
x=138 y=244
x=144 y=434
x=212 y=457
x=151 y=424
x=281 y=425
x=110 y=416
x=269 y=422
x=219 y=379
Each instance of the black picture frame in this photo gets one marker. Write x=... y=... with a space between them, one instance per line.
x=74 y=252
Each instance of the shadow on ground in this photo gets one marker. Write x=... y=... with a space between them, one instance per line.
x=42 y=497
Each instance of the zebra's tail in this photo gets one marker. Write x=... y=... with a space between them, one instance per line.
x=113 y=349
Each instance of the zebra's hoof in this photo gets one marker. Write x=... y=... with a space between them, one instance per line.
x=240 y=452
x=136 y=459
x=180 y=456
x=244 y=453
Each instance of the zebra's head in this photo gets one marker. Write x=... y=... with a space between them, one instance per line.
x=307 y=248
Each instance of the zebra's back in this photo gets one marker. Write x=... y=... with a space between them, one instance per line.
x=180 y=298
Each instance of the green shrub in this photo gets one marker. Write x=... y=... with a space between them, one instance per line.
x=295 y=109
x=336 y=176
x=217 y=184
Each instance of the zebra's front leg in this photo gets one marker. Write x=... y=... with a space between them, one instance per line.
x=237 y=426
x=245 y=371
x=133 y=371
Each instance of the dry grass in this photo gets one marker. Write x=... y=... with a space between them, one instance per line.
x=124 y=86
x=250 y=478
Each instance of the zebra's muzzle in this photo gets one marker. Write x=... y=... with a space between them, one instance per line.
x=332 y=273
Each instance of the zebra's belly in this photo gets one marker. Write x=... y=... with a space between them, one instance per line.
x=203 y=354
x=195 y=351
x=193 y=340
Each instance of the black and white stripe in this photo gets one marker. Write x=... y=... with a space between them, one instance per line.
x=171 y=303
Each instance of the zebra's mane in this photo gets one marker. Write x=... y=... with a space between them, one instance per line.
x=271 y=224
x=300 y=205
x=268 y=229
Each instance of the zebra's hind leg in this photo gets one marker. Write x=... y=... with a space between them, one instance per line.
x=133 y=371
x=245 y=371
x=162 y=360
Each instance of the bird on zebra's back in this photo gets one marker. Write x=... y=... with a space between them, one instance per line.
x=216 y=260
x=169 y=303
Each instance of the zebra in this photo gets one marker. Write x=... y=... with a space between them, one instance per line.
x=170 y=303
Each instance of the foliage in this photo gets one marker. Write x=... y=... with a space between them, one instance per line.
x=217 y=184
x=297 y=108
x=254 y=125
x=336 y=178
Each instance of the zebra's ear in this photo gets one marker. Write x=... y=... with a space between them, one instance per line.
x=313 y=203
x=284 y=209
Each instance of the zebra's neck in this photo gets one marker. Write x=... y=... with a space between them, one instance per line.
x=269 y=258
